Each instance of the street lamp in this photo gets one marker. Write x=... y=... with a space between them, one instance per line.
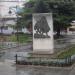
x=10 y=12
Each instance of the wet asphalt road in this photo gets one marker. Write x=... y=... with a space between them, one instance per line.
x=8 y=67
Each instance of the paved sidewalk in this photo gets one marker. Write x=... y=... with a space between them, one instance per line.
x=9 y=68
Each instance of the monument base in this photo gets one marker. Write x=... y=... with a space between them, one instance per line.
x=42 y=54
x=43 y=41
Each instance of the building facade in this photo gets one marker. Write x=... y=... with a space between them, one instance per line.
x=6 y=18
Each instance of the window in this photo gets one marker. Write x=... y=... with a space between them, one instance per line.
x=6 y=28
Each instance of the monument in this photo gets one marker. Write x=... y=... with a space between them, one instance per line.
x=43 y=33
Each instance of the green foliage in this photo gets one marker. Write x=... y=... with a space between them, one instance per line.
x=23 y=38
x=67 y=53
x=63 y=13
x=41 y=7
x=24 y=21
x=28 y=7
x=31 y=7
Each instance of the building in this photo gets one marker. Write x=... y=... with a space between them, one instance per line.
x=6 y=4
x=7 y=19
x=71 y=29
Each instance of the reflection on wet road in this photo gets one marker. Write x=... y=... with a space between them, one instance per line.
x=8 y=68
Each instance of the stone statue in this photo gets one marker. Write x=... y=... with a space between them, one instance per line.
x=42 y=28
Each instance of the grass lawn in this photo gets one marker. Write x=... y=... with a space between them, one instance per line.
x=1 y=46
x=23 y=38
x=66 y=53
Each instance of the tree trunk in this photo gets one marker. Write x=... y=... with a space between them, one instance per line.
x=1 y=30
x=58 y=32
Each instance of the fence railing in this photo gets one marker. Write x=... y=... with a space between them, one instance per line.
x=44 y=61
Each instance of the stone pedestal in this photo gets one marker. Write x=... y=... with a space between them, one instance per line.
x=43 y=33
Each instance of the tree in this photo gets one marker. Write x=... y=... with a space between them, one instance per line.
x=41 y=7
x=63 y=13
x=29 y=8
x=63 y=16
x=33 y=7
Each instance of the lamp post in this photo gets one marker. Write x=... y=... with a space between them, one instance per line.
x=10 y=12
x=2 y=26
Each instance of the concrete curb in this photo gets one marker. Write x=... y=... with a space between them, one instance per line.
x=49 y=67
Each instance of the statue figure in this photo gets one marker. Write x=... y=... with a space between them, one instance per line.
x=42 y=28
